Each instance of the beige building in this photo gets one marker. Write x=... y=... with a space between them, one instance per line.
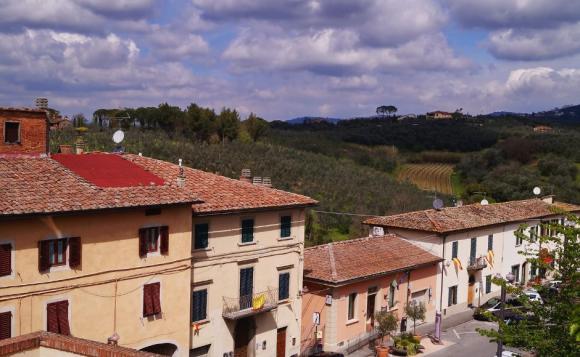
x=102 y=246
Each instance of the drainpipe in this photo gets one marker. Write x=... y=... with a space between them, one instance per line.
x=442 y=276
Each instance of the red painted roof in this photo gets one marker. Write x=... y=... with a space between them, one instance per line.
x=106 y=170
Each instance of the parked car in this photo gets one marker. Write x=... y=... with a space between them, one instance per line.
x=534 y=296
x=493 y=305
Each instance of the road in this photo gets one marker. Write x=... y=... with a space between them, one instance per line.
x=466 y=341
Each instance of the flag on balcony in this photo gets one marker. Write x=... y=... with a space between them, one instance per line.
x=490 y=257
x=258 y=302
x=457 y=263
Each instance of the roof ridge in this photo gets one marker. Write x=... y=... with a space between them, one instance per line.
x=435 y=225
x=332 y=262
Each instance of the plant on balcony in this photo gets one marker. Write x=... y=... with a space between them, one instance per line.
x=415 y=311
x=386 y=323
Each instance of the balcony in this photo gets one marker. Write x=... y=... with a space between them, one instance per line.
x=476 y=263
x=249 y=305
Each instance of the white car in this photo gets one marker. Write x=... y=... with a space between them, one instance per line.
x=534 y=296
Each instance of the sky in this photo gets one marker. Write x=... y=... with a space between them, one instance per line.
x=284 y=59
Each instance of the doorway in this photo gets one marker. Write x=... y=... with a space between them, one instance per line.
x=524 y=273
x=471 y=290
x=371 y=298
x=244 y=333
x=281 y=342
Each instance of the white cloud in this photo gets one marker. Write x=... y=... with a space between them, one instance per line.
x=176 y=46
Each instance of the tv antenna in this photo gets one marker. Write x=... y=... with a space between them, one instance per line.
x=118 y=137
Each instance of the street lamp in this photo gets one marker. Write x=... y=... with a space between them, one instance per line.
x=510 y=277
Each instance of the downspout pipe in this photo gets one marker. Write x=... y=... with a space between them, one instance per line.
x=442 y=276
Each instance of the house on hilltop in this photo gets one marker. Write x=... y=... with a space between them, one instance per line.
x=437 y=115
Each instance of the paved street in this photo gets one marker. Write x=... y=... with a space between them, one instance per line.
x=465 y=341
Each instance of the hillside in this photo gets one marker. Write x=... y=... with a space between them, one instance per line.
x=340 y=185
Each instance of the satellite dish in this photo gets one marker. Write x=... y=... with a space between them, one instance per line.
x=537 y=190
x=484 y=202
x=118 y=136
x=438 y=203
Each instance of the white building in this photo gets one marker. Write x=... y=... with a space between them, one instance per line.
x=476 y=242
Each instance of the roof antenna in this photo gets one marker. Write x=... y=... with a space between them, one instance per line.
x=118 y=137
x=484 y=202
x=181 y=176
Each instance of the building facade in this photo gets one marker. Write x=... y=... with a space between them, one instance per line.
x=23 y=131
x=476 y=243
x=347 y=283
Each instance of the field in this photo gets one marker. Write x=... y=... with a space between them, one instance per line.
x=430 y=177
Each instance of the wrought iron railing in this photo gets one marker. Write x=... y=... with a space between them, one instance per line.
x=247 y=305
x=476 y=263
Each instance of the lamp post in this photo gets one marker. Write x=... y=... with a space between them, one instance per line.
x=510 y=279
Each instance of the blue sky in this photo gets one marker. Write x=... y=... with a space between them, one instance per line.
x=282 y=59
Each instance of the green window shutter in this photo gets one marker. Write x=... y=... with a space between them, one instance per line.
x=201 y=236
x=199 y=308
x=247 y=230
x=490 y=242
x=283 y=286
x=454 y=249
x=285 y=226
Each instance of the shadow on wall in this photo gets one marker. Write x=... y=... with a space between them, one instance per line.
x=165 y=349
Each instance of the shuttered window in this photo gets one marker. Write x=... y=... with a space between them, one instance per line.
x=11 y=132
x=5 y=259
x=5 y=325
x=247 y=230
x=452 y=298
x=57 y=318
x=488 y=284
x=246 y=287
x=490 y=242
x=454 y=249
x=351 y=306
x=151 y=299
x=201 y=236
x=53 y=252
x=283 y=286
x=199 y=305
x=285 y=226
x=153 y=239
x=473 y=250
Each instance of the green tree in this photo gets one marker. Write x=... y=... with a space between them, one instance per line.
x=79 y=120
x=391 y=109
x=551 y=328
x=228 y=124
x=415 y=311
x=255 y=126
x=386 y=323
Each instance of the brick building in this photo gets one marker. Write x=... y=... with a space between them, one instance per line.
x=23 y=131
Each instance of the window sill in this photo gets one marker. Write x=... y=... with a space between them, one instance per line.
x=197 y=250
x=240 y=244
x=282 y=239
x=284 y=302
x=351 y=322
x=201 y=322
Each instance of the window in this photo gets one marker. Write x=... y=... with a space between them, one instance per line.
x=153 y=240
x=518 y=241
x=201 y=236
x=285 y=226
x=488 y=284
x=391 y=296
x=452 y=298
x=53 y=253
x=283 y=286
x=473 y=250
x=246 y=287
x=247 y=230
x=199 y=307
x=5 y=325
x=351 y=306
x=534 y=270
x=533 y=233
x=5 y=259
x=490 y=242
x=151 y=299
x=11 y=132
x=57 y=317
x=454 y=248
x=516 y=272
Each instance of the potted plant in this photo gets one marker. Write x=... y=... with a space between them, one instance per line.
x=386 y=323
x=415 y=311
x=405 y=345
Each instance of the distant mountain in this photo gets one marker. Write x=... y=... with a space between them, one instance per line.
x=504 y=113
x=302 y=120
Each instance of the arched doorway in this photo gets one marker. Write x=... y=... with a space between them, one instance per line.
x=165 y=349
x=243 y=336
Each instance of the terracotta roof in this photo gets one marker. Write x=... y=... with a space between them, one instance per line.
x=75 y=345
x=23 y=109
x=362 y=258
x=221 y=194
x=36 y=185
x=450 y=219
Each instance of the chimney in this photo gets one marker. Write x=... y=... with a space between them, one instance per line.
x=266 y=181
x=548 y=199
x=246 y=175
x=41 y=103
x=65 y=149
x=181 y=176
x=257 y=180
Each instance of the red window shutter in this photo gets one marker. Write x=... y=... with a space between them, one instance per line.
x=43 y=258
x=147 y=301
x=5 y=325
x=164 y=233
x=142 y=242
x=62 y=312
x=5 y=259
x=52 y=317
x=75 y=252
x=155 y=295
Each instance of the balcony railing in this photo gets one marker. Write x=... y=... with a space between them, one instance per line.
x=248 y=305
x=476 y=263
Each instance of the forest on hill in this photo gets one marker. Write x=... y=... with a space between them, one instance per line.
x=355 y=167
